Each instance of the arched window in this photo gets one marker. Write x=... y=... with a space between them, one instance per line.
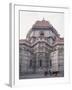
x=41 y=33
x=40 y=63
x=50 y=63
x=30 y=63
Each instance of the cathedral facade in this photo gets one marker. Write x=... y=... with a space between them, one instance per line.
x=41 y=54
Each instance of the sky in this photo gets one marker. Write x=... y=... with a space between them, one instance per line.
x=27 y=19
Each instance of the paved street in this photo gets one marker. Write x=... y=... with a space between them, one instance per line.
x=30 y=76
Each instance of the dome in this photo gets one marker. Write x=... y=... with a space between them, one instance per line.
x=42 y=25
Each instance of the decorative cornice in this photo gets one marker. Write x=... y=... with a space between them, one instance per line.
x=27 y=43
